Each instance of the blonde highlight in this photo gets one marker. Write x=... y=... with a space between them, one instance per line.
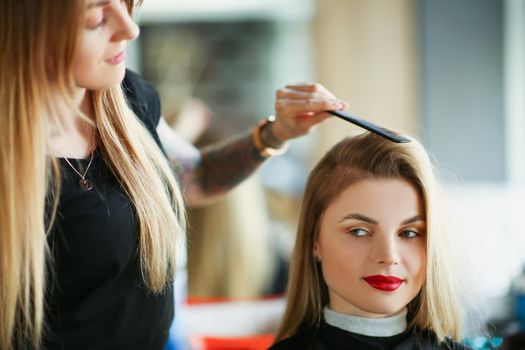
x=27 y=87
x=38 y=51
x=137 y=161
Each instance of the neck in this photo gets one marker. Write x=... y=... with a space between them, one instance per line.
x=374 y=327
x=72 y=116
x=74 y=134
x=83 y=100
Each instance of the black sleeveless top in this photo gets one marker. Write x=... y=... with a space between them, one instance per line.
x=96 y=297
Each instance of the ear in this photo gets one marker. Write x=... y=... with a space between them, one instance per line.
x=316 y=252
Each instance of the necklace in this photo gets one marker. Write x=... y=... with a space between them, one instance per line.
x=84 y=183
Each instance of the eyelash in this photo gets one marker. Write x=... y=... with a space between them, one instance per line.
x=416 y=234
x=354 y=232
x=404 y=234
x=98 y=25
x=103 y=21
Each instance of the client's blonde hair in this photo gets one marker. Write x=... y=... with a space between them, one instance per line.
x=436 y=306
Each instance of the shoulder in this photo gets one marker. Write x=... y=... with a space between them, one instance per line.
x=142 y=97
x=297 y=341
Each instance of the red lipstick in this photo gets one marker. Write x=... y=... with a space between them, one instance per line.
x=385 y=283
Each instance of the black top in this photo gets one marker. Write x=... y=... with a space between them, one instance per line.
x=327 y=337
x=97 y=298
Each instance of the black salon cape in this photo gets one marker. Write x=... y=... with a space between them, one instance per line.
x=96 y=299
x=327 y=337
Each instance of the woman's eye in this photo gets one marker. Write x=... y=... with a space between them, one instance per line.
x=410 y=234
x=96 y=19
x=358 y=232
x=96 y=25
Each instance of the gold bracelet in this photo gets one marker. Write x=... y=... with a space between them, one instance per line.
x=264 y=150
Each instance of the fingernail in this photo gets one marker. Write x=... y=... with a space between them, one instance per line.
x=336 y=104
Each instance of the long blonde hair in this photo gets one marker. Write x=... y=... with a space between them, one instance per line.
x=38 y=40
x=367 y=155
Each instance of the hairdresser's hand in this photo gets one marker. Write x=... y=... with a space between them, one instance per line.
x=300 y=107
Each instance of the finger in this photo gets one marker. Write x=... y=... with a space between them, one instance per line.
x=305 y=115
x=305 y=122
x=313 y=118
x=296 y=95
x=306 y=87
x=320 y=117
x=310 y=105
x=311 y=87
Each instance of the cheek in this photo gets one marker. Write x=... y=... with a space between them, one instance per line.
x=415 y=258
x=342 y=259
x=87 y=57
x=82 y=64
x=89 y=67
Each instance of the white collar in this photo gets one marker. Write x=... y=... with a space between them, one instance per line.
x=373 y=327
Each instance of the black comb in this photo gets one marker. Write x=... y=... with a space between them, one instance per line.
x=376 y=129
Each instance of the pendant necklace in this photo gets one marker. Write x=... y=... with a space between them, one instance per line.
x=84 y=183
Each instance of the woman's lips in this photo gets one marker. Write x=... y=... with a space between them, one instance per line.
x=117 y=58
x=385 y=283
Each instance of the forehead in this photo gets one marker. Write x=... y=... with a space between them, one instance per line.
x=380 y=199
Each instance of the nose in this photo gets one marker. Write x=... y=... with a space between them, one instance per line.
x=125 y=27
x=385 y=250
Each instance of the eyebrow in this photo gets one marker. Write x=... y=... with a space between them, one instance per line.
x=413 y=219
x=361 y=217
x=98 y=3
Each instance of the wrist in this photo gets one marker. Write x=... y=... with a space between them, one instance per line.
x=269 y=137
x=265 y=141
x=277 y=133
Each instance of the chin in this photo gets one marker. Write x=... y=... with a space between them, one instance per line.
x=104 y=80
x=118 y=73
x=114 y=77
x=383 y=307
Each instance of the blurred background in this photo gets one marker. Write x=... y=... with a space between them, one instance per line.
x=451 y=72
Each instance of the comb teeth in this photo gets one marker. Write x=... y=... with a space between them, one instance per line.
x=376 y=129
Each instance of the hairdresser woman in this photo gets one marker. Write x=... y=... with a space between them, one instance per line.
x=90 y=207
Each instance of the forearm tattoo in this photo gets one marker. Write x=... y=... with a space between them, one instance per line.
x=225 y=165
